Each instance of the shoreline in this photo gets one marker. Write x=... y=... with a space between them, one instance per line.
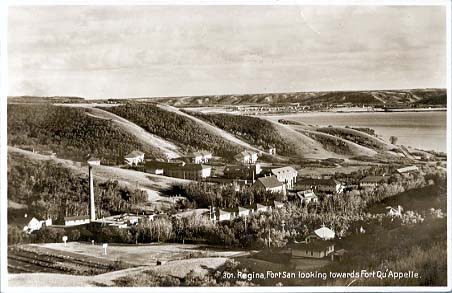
x=401 y=110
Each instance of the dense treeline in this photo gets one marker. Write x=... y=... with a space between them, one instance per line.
x=353 y=137
x=329 y=142
x=204 y=194
x=70 y=132
x=51 y=190
x=256 y=131
x=177 y=128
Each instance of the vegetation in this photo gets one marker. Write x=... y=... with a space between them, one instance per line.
x=353 y=136
x=401 y=98
x=51 y=190
x=330 y=143
x=177 y=128
x=256 y=131
x=204 y=194
x=70 y=132
x=154 y=279
x=30 y=259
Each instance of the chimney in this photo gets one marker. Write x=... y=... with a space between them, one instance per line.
x=92 y=208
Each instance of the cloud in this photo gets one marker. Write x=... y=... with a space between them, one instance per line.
x=145 y=50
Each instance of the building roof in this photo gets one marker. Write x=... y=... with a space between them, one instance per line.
x=134 y=154
x=319 y=182
x=269 y=182
x=175 y=165
x=162 y=165
x=408 y=169
x=224 y=212
x=195 y=167
x=284 y=170
x=260 y=206
x=243 y=154
x=243 y=209
x=305 y=194
x=195 y=154
x=325 y=233
x=73 y=218
x=374 y=179
x=313 y=246
x=93 y=159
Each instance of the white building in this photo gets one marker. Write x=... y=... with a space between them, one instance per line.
x=323 y=233
x=76 y=220
x=202 y=157
x=35 y=225
x=243 y=212
x=224 y=215
x=307 y=196
x=287 y=175
x=134 y=158
x=246 y=157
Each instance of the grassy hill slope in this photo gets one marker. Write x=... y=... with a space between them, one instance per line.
x=71 y=133
x=183 y=131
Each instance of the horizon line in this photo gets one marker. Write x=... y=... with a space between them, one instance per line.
x=226 y=94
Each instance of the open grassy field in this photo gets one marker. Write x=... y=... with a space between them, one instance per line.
x=176 y=260
x=141 y=254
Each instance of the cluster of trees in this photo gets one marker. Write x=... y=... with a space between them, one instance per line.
x=70 y=133
x=51 y=190
x=342 y=212
x=192 y=279
x=254 y=130
x=353 y=137
x=182 y=130
x=330 y=143
x=204 y=194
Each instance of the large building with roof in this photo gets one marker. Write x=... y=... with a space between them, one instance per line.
x=287 y=175
x=179 y=169
x=268 y=183
x=331 y=186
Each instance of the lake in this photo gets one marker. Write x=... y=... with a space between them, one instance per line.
x=422 y=130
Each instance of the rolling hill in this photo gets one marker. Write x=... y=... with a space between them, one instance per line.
x=71 y=133
x=401 y=98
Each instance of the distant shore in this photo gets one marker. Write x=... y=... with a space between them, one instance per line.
x=351 y=110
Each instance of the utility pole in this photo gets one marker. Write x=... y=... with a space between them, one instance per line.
x=268 y=237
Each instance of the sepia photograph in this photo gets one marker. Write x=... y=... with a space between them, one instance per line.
x=279 y=147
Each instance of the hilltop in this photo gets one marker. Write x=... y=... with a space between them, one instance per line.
x=400 y=98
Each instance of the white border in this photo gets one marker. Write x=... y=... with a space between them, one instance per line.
x=3 y=146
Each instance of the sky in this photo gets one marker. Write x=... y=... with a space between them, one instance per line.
x=152 y=51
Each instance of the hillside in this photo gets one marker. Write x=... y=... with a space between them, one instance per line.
x=179 y=129
x=71 y=133
x=50 y=189
x=146 y=138
x=256 y=131
x=153 y=185
x=358 y=137
x=400 y=98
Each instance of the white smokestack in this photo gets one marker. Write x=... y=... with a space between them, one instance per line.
x=92 y=208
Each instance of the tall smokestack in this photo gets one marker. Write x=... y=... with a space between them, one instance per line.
x=92 y=208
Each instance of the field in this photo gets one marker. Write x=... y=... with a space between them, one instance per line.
x=176 y=260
